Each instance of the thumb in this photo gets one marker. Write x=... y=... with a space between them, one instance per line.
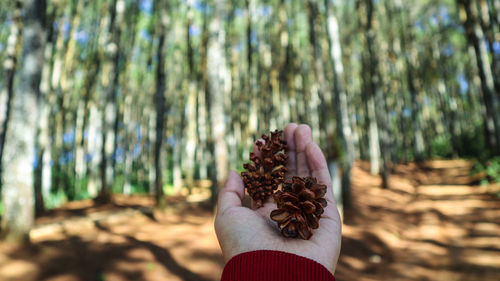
x=232 y=194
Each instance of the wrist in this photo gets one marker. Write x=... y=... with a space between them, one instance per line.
x=275 y=266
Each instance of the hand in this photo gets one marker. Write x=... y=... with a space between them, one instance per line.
x=240 y=229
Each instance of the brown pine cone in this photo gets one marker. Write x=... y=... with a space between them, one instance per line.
x=300 y=205
x=267 y=171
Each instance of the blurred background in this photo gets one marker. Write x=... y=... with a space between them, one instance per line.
x=119 y=120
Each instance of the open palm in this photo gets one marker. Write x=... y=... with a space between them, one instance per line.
x=240 y=229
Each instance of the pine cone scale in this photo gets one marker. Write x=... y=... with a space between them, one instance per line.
x=308 y=207
x=322 y=201
x=305 y=233
x=279 y=215
x=267 y=171
x=307 y=194
x=299 y=207
x=289 y=206
x=290 y=231
x=300 y=201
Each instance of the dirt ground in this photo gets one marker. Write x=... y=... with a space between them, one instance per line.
x=433 y=223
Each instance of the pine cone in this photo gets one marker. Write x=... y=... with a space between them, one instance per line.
x=267 y=171
x=300 y=205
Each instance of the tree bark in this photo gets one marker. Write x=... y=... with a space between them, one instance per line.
x=476 y=38
x=487 y=22
x=109 y=106
x=320 y=87
x=43 y=171
x=413 y=83
x=19 y=148
x=344 y=129
x=9 y=65
x=191 y=106
x=218 y=76
x=160 y=107
x=370 y=85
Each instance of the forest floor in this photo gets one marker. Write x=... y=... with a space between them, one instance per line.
x=433 y=223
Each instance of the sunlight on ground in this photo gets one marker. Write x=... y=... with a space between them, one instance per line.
x=416 y=230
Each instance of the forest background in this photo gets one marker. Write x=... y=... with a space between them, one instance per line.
x=161 y=98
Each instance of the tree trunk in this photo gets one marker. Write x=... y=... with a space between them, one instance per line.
x=320 y=87
x=160 y=107
x=191 y=141
x=150 y=167
x=341 y=106
x=42 y=150
x=12 y=52
x=253 y=116
x=191 y=106
x=370 y=86
x=94 y=139
x=413 y=83
x=94 y=149
x=82 y=123
x=111 y=73
x=20 y=135
x=487 y=18
x=381 y=102
x=178 y=111
x=217 y=79
x=43 y=147
x=476 y=38
x=43 y=170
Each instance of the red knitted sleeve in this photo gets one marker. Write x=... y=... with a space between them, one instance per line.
x=267 y=265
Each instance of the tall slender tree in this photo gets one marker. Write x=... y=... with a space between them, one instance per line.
x=218 y=77
x=370 y=81
x=18 y=216
x=340 y=102
x=111 y=74
x=160 y=104
x=477 y=40
x=9 y=65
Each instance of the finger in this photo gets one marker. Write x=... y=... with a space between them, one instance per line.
x=302 y=138
x=290 y=143
x=232 y=193
x=319 y=168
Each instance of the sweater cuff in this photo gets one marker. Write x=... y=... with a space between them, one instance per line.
x=265 y=265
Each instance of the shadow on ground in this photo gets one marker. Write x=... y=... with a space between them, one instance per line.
x=431 y=224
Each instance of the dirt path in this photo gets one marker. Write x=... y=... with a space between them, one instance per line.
x=430 y=225
x=125 y=241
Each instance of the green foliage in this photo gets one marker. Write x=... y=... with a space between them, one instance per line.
x=81 y=192
x=118 y=183
x=441 y=147
x=272 y=64
x=138 y=189
x=55 y=199
x=333 y=148
x=82 y=195
x=470 y=144
x=491 y=168
x=243 y=158
x=168 y=189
